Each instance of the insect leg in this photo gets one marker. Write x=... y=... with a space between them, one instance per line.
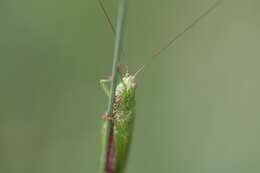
x=103 y=82
x=105 y=117
x=104 y=86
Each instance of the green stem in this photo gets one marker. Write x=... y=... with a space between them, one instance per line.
x=116 y=57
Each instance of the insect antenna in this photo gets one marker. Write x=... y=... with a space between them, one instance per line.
x=105 y=12
x=172 y=41
x=126 y=69
x=139 y=70
x=107 y=16
x=179 y=35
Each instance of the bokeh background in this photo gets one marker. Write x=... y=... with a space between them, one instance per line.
x=196 y=102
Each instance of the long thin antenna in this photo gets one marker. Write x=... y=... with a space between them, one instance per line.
x=101 y=4
x=107 y=16
x=179 y=35
x=173 y=40
x=139 y=70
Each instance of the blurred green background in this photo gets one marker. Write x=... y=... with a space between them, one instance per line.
x=196 y=103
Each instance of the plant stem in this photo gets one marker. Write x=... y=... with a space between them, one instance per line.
x=116 y=57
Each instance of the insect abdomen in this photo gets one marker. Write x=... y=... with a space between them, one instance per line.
x=123 y=128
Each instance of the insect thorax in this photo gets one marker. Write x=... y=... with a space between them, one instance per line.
x=124 y=104
x=127 y=84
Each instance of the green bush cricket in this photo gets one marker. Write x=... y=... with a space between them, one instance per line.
x=122 y=120
x=124 y=110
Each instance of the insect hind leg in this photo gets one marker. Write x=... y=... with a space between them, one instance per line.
x=105 y=117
